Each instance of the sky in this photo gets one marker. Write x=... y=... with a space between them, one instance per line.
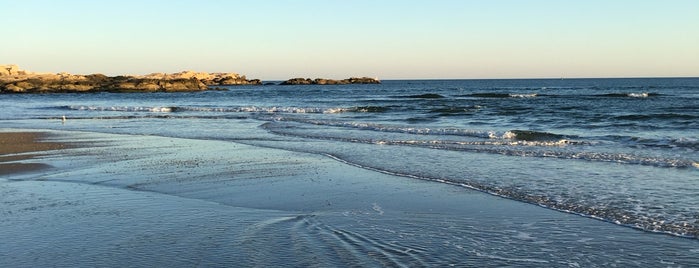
x=281 y=39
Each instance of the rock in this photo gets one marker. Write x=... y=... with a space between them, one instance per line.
x=10 y=70
x=298 y=81
x=15 y=89
x=209 y=79
x=14 y=80
x=182 y=85
x=364 y=80
x=322 y=81
x=233 y=81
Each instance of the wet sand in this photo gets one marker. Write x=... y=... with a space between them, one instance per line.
x=18 y=146
x=144 y=201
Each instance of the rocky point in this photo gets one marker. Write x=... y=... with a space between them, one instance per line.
x=15 y=80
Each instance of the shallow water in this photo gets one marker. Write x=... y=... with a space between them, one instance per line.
x=622 y=150
x=146 y=201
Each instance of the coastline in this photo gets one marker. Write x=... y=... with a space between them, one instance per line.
x=187 y=202
x=15 y=80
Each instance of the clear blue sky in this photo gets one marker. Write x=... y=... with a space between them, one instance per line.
x=337 y=39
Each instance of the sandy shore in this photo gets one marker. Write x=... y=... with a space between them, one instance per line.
x=17 y=146
x=144 y=201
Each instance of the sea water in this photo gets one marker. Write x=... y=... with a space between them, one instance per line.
x=620 y=151
x=624 y=151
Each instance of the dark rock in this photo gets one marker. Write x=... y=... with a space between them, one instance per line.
x=364 y=80
x=298 y=81
x=322 y=81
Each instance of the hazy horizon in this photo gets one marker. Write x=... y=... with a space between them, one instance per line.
x=339 y=39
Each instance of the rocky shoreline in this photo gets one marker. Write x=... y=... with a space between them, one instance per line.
x=15 y=80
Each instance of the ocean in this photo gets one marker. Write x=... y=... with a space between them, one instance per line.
x=624 y=152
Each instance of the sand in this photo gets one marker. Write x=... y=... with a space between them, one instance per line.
x=17 y=146
x=145 y=201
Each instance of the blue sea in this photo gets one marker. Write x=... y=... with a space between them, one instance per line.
x=621 y=151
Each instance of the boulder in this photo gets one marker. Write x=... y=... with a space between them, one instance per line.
x=15 y=89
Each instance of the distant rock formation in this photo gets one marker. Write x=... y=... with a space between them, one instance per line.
x=14 y=80
x=209 y=79
x=321 y=81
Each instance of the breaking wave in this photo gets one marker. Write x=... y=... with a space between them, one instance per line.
x=628 y=95
x=156 y=109
x=240 y=109
x=511 y=143
x=501 y=95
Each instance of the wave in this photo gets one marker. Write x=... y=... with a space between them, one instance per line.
x=145 y=116
x=242 y=109
x=446 y=111
x=628 y=95
x=369 y=109
x=523 y=95
x=691 y=143
x=395 y=129
x=549 y=93
x=610 y=214
x=156 y=109
x=524 y=135
x=668 y=143
x=663 y=116
x=501 y=95
x=528 y=135
x=511 y=143
x=423 y=96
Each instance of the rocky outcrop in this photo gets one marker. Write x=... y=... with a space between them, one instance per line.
x=14 y=80
x=298 y=81
x=209 y=79
x=321 y=81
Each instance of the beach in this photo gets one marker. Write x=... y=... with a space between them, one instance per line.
x=15 y=146
x=349 y=134
x=144 y=201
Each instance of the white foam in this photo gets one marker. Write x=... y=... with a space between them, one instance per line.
x=161 y=109
x=523 y=95
x=335 y=110
x=156 y=109
x=509 y=135
x=638 y=95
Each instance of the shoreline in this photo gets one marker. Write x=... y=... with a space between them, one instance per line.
x=180 y=202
